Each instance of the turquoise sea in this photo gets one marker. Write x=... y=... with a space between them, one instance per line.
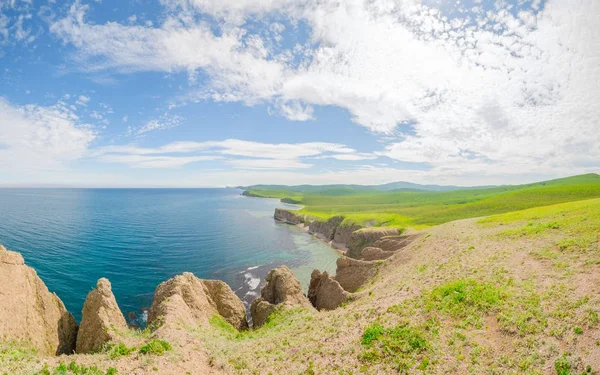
x=138 y=238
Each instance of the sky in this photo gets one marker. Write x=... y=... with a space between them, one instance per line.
x=197 y=93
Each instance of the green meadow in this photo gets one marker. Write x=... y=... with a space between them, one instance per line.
x=421 y=209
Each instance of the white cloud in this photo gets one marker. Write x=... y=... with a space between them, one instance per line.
x=34 y=137
x=162 y=123
x=497 y=90
x=82 y=100
x=278 y=164
x=146 y=161
x=237 y=153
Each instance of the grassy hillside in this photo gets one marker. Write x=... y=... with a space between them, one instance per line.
x=424 y=209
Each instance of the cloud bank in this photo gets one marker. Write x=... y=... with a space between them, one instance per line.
x=503 y=88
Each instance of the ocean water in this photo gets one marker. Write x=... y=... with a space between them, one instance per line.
x=138 y=238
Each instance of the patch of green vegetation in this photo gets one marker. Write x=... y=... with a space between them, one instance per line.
x=75 y=369
x=290 y=197
x=220 y=323
x=290 y=200
x=13 y=351
x=532 y=228
x=120 y=350
x=522 y=311
x=563 y=366
x=156 y=347
x=466 y=299
x=403 y=345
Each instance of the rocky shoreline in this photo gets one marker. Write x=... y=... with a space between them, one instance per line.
x=32 y=314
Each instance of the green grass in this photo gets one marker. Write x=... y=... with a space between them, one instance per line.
x=155 y=347
x=120 y=350
x=465 y=299
x=424 y=209
x=576 y=224
x=404 y=345
x=75 y=369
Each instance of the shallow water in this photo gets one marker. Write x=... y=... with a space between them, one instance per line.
x=138 y=238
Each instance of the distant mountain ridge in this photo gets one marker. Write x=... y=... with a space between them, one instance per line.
x=389 y=187
x=410 y=186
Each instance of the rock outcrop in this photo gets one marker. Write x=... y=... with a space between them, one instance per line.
x=395 y=243
x=287 y=217
x=366 y=237
x=101 y=319
x=188 y=300
x=282 y=290
x=375 y=253
x=354 y=273
x=29 y=312
x=325 y=293
x=344 y=232
x=325 y=229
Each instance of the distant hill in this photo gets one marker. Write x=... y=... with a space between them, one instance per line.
x=404 y=204
x=348 y=189
x=404 y=186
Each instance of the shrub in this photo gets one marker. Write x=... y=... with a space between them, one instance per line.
x=562 y=366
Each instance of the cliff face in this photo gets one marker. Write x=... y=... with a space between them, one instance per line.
x=325 y=293
x=365 y=238
x=186 y=299
x=29 y=312
x=344 y=232
x=281 y=290
x=287 y=217
x=325 y=229
x=351 y=274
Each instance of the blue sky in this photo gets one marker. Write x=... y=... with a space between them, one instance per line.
x=213 y=93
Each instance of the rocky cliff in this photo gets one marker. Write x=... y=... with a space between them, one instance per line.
x=325 y=293
x=288 y=217
x=282 y=290
x=366 y=237
x=186 y=299
x=101 y=319
x=325 y=229
x=351 y=274
x=344 y=231
x=29 y=312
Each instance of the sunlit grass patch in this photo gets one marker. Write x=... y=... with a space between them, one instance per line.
x=532 y=228
x=404 y=345
x=156 y=347
x=465 y=299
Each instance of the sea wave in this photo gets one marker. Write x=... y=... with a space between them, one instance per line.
x=252 y=281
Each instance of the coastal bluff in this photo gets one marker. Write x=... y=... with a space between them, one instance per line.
x=354 y=240
x=29 y=312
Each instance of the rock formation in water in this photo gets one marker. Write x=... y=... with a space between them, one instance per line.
x=282 y=290
x=29 y=312
x=325 y=293
x=101 y=319
x=188 y=300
